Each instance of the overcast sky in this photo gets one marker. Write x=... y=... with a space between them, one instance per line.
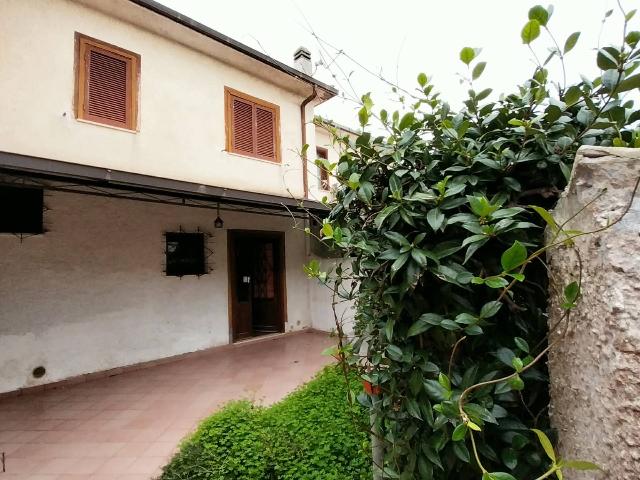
x=402 y=38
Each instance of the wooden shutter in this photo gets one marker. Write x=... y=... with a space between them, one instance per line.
x=265 y=133
x=243 y=139
x=252 y=126
x=106 y=86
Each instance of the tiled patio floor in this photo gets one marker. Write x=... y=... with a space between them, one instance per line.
x=127 y=426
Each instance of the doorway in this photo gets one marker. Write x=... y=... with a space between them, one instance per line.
x=256 y=283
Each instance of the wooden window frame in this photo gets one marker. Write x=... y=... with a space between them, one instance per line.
x=229 y=93
x=83 y=45
x=319 y=152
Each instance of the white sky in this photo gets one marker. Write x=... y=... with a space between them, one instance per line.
x=404 y=37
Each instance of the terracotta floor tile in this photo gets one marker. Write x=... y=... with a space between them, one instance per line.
x=126 y=427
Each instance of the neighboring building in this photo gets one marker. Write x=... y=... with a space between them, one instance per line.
x=150 y=189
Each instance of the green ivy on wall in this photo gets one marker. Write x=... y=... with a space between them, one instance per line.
x=441 y=221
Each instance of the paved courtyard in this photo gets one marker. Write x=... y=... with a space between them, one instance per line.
x=127 y=426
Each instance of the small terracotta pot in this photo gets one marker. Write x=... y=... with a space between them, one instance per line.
x=371 y=389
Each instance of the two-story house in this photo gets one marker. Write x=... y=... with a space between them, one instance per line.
x=153 y=191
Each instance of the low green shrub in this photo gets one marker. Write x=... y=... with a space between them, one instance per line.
x=311 y=434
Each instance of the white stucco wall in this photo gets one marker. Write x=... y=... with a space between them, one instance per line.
x=181 y=104
x=90 y=294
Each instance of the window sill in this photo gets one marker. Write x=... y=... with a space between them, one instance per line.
x=258 y=159
x=113 y=127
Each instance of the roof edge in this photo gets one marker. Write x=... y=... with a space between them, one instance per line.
x=198 y=27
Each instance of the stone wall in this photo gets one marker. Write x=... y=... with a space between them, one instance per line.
x=595 y=369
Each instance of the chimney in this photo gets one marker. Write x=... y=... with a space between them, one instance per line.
x=302 y=60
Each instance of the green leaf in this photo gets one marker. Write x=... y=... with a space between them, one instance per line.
x=459 y=432
x=510 y=458
x=572 y=95
x=394 y=352
x=388 y=330
x=513 y=257
x=363 y=116
x=407 y=120
x=497 y=476
x=629 y=84
x=435 y=218
x=384 y=214
x=397 y=238
x=546 y=444
x=571 y=42
x=419 y=256
x=473 y=426
x=413 y=408
x=327 y=230
x=610 y=79
x=607 y=58
x=395 y=184
x=473 y=330
x=467 y=54
x=444 y=381
x=400 y=261
x=496 y=282
x=571 y=292
x=489 y=309
x=517 y=364
x=422 y=79
x=418 y=327
x=522 y=344
x=354 y=181
x=461 y=451
x=365 y=192
x=632 y=38
x=540 y=14
x=580 y=465
x=546 y=216
x=505 y=355
x=516 y=383
x=530 y=31
x=478 y=69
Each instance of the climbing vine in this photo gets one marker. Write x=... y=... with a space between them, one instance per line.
x=441 y=222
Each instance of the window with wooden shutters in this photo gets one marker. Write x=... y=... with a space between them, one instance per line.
x=106 y=83
x=252 y=126
x=323 y=173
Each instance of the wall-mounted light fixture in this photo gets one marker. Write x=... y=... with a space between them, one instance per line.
x=218 y=222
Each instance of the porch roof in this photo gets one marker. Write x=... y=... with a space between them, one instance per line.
x=85 y=179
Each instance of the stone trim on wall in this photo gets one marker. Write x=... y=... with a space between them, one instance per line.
x=595 y=369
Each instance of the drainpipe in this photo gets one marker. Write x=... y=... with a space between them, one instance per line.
x=303 y=122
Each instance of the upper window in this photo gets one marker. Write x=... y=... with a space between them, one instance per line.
x=21 y=210
x=106 y=83
x=323 y=173
x=252 y=126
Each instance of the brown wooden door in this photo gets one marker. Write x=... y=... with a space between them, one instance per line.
x=256 y=282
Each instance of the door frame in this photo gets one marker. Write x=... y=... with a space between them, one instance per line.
x=281 y=285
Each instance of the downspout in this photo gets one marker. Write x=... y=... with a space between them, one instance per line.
x=303 y=123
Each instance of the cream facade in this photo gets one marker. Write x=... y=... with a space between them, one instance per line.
x=92 y=293
x=181 y=127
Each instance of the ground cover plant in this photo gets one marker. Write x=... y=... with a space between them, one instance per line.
x=441 y=221
x=311 y=434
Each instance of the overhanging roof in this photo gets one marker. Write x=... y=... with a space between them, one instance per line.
x=198 y=27
x=89 y=176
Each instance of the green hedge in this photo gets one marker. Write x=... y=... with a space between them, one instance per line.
x=308 y=435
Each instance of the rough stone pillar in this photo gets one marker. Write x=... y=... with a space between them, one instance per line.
x=595 y=369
